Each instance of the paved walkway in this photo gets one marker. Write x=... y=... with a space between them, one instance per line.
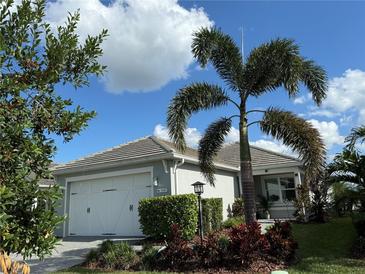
x=68 y=253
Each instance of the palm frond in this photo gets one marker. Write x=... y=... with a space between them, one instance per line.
x=210 y=44
x=315 y=79
x=279 y=63
x=210 y=144
x=190 y=99
x=299 y=135
x=349 y=166
x=357 y=134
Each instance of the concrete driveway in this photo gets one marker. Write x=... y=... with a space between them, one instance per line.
x=69 y=252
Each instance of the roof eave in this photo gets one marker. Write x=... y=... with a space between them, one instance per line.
x=111 y=164
x=196 y=161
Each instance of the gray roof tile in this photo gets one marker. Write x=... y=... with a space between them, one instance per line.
x=153 y=146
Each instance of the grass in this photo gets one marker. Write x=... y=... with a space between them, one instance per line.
x=323 y=248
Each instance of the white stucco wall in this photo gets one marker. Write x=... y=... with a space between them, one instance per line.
x=224 y=185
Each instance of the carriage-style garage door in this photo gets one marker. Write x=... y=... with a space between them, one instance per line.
x=107 y=206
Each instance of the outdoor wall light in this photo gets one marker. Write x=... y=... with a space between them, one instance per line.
x=155 y=181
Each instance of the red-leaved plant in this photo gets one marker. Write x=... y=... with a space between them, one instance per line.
x=247 y=244
x=178 y=252
x=282 y=244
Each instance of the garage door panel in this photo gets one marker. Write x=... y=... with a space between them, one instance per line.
x=112 y=202
x=142 y=181
x=78 y=216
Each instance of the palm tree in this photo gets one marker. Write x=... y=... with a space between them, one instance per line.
x=268 y=67
x=357 y=134
x=348 y=166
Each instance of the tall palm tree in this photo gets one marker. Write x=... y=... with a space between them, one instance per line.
x=357 y=134
x=268 y=67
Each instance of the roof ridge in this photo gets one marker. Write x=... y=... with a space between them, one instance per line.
x=164 y=146
x=103 y=151
x=276 y=153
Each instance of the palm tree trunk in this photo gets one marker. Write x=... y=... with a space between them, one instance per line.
x=248 y=187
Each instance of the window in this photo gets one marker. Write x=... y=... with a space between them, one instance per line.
x=272 y=190
x=280 y=189
x=287 y=187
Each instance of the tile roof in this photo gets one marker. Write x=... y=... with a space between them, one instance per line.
x=153 y=146
x=140 y=148
x=260 y=157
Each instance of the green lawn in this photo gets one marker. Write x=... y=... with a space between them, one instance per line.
x=323 y=248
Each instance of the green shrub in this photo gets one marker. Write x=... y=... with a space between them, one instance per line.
x=156 y=215
x=237 y=208
x=358 y=220
x=212 y=214
x=112 y=256
x=148 y=257
x=232 y=222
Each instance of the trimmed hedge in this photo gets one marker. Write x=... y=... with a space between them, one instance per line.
x=157 y=214
x=212 y=214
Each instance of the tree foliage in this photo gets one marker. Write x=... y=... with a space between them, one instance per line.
x=275 y=64
x=357 y=134
x=35 y=60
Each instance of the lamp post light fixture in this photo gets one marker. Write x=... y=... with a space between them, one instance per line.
x=199 y=190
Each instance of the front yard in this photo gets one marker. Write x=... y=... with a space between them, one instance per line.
x=323 y=248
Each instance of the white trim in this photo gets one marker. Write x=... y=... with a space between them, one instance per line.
x=194 y=160
x=47 y=186
x=110 y=174
x=111 y=163
x=274 y=171
x=280 y=203
x=68 y=180
x=176 y=165
x=165 y=166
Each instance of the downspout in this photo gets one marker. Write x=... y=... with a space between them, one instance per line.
x=176 y=165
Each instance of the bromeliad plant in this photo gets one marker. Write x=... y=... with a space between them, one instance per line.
x=275 y=64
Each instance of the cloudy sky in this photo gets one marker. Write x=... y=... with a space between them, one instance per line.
x=148 y=58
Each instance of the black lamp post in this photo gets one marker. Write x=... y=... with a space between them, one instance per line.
x=199 y=190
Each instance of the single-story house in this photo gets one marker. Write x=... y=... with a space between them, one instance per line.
x=102 y=190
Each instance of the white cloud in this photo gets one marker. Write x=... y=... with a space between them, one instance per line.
x=299 y=100
x=233 y=136
x=161 y=132
x=302 y=99
x=149 y=41
x=346 y=120
x=193 y=135
x=346 y=92
x=274 y=146
x=329 y=132
x=322 y=112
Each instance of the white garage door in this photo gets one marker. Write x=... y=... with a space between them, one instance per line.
x=107 y=206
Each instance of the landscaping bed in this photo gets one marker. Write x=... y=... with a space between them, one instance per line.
x=239 y=249
x=323 y=248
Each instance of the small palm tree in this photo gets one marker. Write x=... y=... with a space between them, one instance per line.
x=357 y=134
x=348 y=166
x=268 y=67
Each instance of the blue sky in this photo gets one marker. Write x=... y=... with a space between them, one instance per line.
x=146 y=71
